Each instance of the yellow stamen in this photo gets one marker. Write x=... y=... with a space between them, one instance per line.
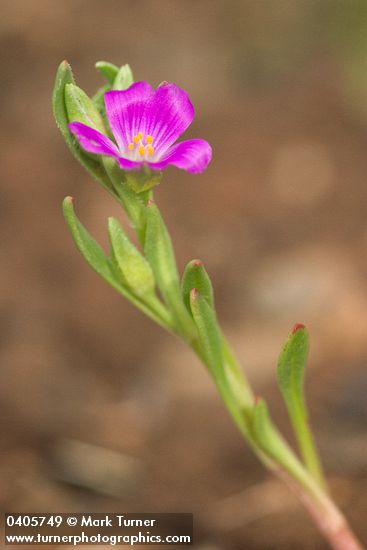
x=149 y=139
x=130 y=146
x=138 y=137
x=150 y=150
x=141 y=150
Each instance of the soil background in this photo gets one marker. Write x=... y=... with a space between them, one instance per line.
x=100 y=410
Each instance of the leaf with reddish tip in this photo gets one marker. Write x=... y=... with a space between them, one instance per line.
x=195 y=276
x=291 y=372
x=291 y=369
x=97 y=259
x=89 y=248
x=64 y=76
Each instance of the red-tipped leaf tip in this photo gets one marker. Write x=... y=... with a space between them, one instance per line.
x=197 y=263
x=257 y=399
x=150 y=203
x=297 y=327
x=69 y=199
x=194 y=293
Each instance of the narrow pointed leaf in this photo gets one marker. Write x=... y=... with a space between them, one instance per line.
x=89 y=248
x=80 y=108
x=209 y=334
x=134 y=268
x=210 y=341
x=124 y=78
x=291 y=369
x=195 y=276
x=159 y=249
x=64 y=76
x=96 y=258
x=160 y=255
x=290 y=374
x=108 y=70
x=263 y=430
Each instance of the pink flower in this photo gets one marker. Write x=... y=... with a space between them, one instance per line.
x=146 y=124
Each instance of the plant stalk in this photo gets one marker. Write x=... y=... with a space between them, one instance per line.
x=307 y=448
x=325 y=515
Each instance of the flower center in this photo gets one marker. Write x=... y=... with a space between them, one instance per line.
x=143 y=145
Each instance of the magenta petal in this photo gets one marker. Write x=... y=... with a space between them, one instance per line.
x=168 y=113
x=125 y=110
x=93 y=141
x=192 y=155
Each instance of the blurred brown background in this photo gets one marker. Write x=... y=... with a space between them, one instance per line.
x=100 y=409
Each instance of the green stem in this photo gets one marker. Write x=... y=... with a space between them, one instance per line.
x=328 y=519
x=236 y=377
x=160 y=310
x=307 y=446
x=241 y=410
x=307 y=483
